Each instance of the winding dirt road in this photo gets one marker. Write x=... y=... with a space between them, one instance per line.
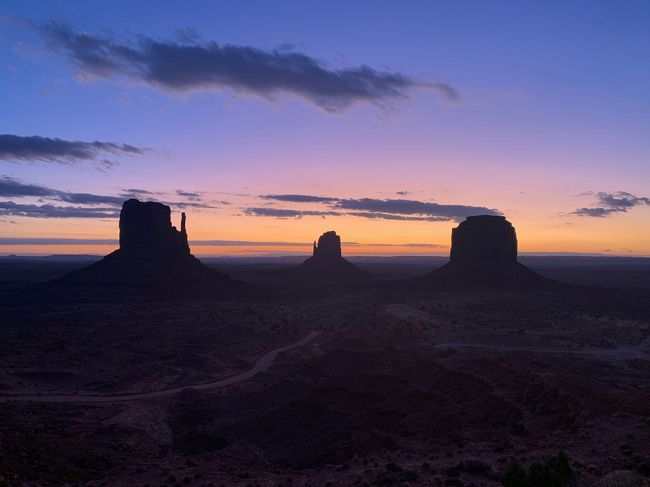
x=261 y=364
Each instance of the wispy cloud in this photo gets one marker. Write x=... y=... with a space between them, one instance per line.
x=53 y=211
x=34 y=148
x=285 y=213
x=299 y=198
x=611 y=203
x=13 y=188
x=188 y=64
x=191 y=195
x=373 y=215
x=10 y=187
x=372 y=208
x=414 y=207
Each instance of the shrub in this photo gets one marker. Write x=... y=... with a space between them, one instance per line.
x=555 y=472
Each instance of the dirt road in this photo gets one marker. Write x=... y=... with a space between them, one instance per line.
x=261 y=364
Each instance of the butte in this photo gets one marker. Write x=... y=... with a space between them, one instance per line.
x=153 y=254
x=484 y=254
x=328 y=262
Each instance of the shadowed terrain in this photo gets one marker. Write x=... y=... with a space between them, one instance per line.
x=152 y=254
x=432 y=386
x=477 y=379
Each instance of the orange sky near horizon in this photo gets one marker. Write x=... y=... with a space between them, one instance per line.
x=538 y=230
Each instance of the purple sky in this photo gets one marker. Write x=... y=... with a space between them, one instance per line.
x=276 y=121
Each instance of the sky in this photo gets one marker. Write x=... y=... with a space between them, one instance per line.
x=270 y=123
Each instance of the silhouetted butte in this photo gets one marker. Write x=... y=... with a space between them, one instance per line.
x=327 y=260
x=152 y=253
x=484 y=254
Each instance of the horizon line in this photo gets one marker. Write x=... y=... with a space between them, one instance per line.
x=306 y=255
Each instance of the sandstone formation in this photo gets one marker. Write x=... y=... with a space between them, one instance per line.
x=152 y=253
x=146 y=229
x=484 y=254
x=329 y=245
x=484 y=241
x=327 y=260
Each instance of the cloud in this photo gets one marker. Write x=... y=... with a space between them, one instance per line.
x=447 y=93
x=190 y=195
x=385 y=209
x=284 y=213
x=388 y=216
x=89 y=199
x=137 y=193
x=13 y=188
x=436 y=211
x=181 y=205
x=299 y=198
x=596 y=212
x=186 y=65
x=15 y=148
x=621 y=199
x=10 y=187
x=611 y=203
x=51 y=211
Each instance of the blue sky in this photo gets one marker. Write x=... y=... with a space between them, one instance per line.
x=553 y=104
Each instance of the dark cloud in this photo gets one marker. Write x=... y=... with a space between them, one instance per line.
x=389 y=209
x=389 y=216
x=283 y=213
x=51 y=211
x=181 y=205
x=611 y=203
x=186 y=65
x=385 y=209
x=135 y=193
x=89 y=199
x=621 y=199
x=190 y=195
x=13 y=188
x=596 y=212
x=299 y=198
x=195 y=198
x=414 y=207
x=16 y=148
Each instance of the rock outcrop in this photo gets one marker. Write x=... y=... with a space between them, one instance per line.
x=484 y=254
x=152 y=254
x=327 y=260
x=484 y=241
x=329 y=245
x=146 y=229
